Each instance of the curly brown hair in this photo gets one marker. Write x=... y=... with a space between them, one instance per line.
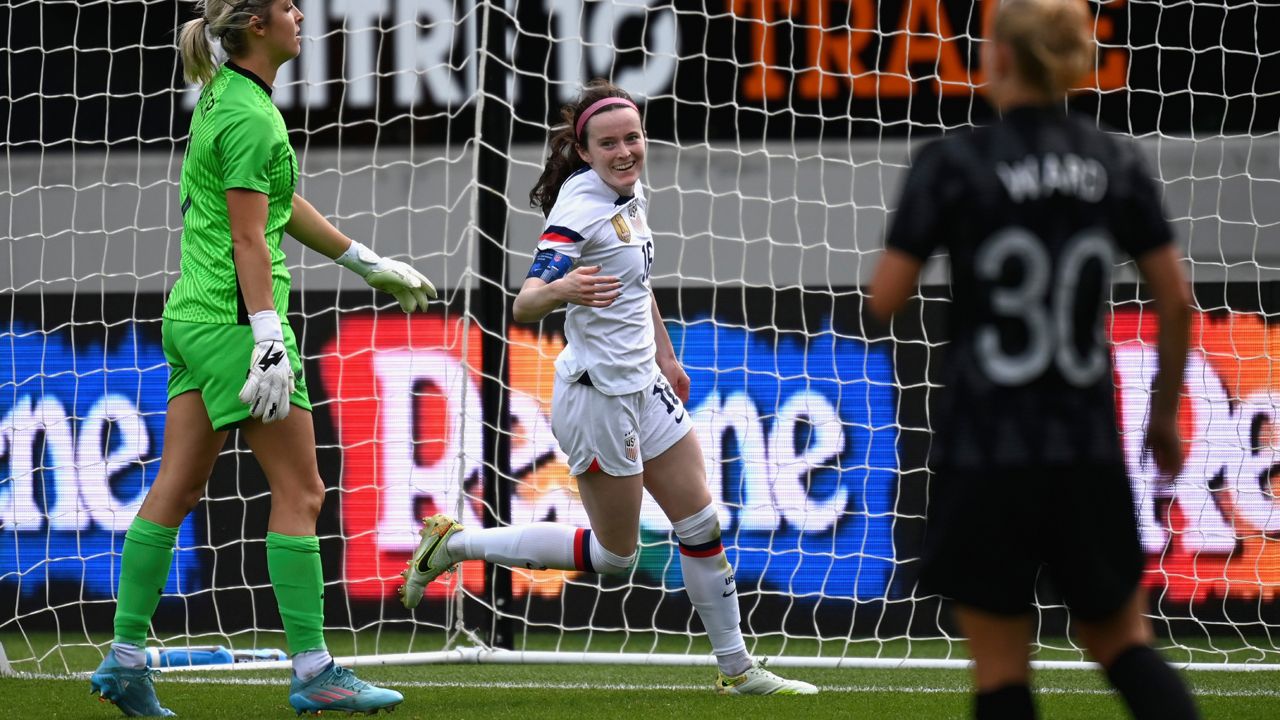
x=563 y=160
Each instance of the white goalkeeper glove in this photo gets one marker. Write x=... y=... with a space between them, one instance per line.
x=269 y=383
x=410 y=287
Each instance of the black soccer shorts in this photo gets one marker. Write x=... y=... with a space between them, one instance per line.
x=991 y=531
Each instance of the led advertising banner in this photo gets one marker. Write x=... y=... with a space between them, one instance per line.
x=1214 y=531
x=798 y=436
x=808 y=454
x=81 y=427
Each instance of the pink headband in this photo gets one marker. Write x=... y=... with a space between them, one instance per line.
x=595 y=107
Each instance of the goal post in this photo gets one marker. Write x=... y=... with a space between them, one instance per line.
x=779 y=134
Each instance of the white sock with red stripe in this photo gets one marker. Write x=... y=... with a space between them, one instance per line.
x=708 y=579
x=536 y=546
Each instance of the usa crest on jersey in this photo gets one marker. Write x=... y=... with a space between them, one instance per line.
x=636 y=218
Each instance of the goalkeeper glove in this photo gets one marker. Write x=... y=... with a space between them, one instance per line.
x=410 y=287
x=269 y=383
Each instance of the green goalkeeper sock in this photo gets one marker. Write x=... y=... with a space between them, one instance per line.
x=144 y=567
x=294 y=565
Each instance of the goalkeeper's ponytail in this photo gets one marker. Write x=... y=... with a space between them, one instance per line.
x=220 y=19
x=196 y=51
x=563 y=160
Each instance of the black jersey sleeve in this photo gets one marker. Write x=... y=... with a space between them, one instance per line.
x=917 y=224
x=1140 y=221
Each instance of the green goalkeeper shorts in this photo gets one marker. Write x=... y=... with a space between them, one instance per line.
x=214 y=359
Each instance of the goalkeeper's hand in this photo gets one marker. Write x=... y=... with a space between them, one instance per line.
x=269 y=382
x=409 y=287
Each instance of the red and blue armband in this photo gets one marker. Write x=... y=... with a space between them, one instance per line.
x=549 y=266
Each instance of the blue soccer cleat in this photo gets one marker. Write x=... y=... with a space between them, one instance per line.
x=129 y=688
x=338 y=689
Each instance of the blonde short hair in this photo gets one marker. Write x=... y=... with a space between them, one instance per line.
x=1052 y=41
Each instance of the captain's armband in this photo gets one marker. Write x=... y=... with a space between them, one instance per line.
x=549 y=266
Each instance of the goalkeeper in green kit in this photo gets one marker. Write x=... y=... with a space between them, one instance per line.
x=233 y=360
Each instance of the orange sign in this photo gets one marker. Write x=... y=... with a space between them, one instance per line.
x=930 y=42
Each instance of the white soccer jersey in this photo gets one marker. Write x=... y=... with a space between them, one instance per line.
x=593 y=225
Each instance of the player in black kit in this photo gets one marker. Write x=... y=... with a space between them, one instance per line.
x=1029 y=467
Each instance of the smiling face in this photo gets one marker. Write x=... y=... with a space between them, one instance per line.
x=615 y=147
x=281 y=31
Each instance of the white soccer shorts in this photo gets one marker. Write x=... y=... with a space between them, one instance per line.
x=616 y=433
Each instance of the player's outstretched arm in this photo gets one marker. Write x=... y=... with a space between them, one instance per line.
x=585 y=286
x=1163 y=274
x=314 y=230
x=410 y=288
x=269 y=381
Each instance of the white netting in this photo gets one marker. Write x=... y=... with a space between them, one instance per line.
x=779 y=133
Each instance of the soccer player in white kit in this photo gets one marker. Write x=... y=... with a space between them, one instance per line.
x=618 y=404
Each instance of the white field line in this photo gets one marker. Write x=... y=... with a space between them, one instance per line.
x=625 y=687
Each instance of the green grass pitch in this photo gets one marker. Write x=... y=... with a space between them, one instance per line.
x=55 y=686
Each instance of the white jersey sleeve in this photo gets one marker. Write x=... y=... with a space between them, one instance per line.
x=578 y=210
x=594 y=225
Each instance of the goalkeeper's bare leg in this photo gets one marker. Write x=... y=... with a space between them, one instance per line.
x=286 y=450
x=191 y=447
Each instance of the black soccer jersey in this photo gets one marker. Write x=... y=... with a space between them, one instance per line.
x=1031 y=210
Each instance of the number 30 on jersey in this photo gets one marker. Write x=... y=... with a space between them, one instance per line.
x=1044 y=302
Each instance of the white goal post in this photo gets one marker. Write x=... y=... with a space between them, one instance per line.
x=779 y=132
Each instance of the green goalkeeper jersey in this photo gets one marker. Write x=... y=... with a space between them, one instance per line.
x=238 y=140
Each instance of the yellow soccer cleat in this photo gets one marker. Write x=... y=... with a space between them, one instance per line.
x=430 y=560
x=758 y=681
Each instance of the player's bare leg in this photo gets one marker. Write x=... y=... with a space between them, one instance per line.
x=612 y=503
x=190 y=449
x=286 y=450
x=677 y=481
x=1122 y=646
x=1000 y=646
x=1106 y=639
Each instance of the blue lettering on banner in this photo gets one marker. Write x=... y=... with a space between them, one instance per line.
x=81 y=427
x=800 y=440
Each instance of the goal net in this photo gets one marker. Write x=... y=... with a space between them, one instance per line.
x=779 y=134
